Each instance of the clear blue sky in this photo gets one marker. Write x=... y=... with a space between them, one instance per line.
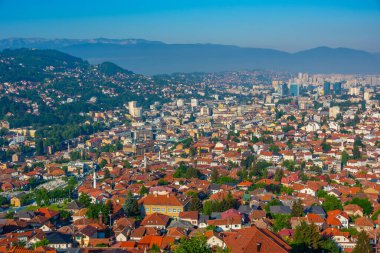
x=286 y=25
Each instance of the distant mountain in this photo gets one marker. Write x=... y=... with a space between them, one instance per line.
x=152 y=57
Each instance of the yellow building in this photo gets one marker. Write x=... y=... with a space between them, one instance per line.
x=168 y=204
x=16 y=201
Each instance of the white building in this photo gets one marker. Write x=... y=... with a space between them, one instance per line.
x=312 y=127
x=334 y=111
x=194 y=102
x=180 y=102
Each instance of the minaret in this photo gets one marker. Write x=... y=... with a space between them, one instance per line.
x=159 y=155
x=94 y=177
x=144 y=162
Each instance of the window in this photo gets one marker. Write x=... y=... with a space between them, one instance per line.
x=162 y=209
x=169 y=210
x=153 y=209
x=147 y=209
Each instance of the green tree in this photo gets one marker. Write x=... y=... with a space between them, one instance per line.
x=278 y=175
x=375 y=215
x=281 y=221
x=3 y=200
x=195 y=244
x=321 y=193
x=84 y=199
x=43 y=242
x=297 y=209
x=214 y=175
x=326 y=146
x=40 y=147
x=274 y=148
x=184 y=171
x=363 y=244
x=127 y=164
x=143 y=190
x=72 y=182
x=102 y=163
x=208 y=207
x=64 y=214
x=331 y=203
x=195 y=204
x=226 y=180
x=345 y=157
x=306 y=238
x=107 y=173
x=356 y=152
x=192 y=151
x=155 y=248
x=130 y=206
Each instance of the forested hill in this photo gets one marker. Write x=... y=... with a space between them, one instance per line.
x=46 y=87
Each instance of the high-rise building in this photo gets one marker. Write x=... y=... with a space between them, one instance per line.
x=283 y=90
x=337 y=88
x=137 y=112
x=131 y=106
x=134 y=111
x=294 y=89
x=326 y=88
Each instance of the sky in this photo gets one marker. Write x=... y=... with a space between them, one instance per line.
x=279 y=24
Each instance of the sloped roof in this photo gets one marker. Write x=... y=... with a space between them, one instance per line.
x=255 y=240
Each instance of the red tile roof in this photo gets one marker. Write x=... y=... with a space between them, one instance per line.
x=255 y=240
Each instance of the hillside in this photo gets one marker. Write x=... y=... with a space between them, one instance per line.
x=45 y=87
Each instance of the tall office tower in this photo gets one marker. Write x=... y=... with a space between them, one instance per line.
x=194 y=102
x=131 y=106
x=326 y=88
x=134 y=111
x=137 y=112
x=283 y=89
x=337 y=88
x=294 y=89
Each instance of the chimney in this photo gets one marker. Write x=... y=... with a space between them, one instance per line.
x=258 y=246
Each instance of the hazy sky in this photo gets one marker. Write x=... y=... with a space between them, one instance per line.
x=286 y=25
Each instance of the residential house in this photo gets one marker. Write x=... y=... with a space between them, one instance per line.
x=169 y=204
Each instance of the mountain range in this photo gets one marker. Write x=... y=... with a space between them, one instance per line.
x=154 y=57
